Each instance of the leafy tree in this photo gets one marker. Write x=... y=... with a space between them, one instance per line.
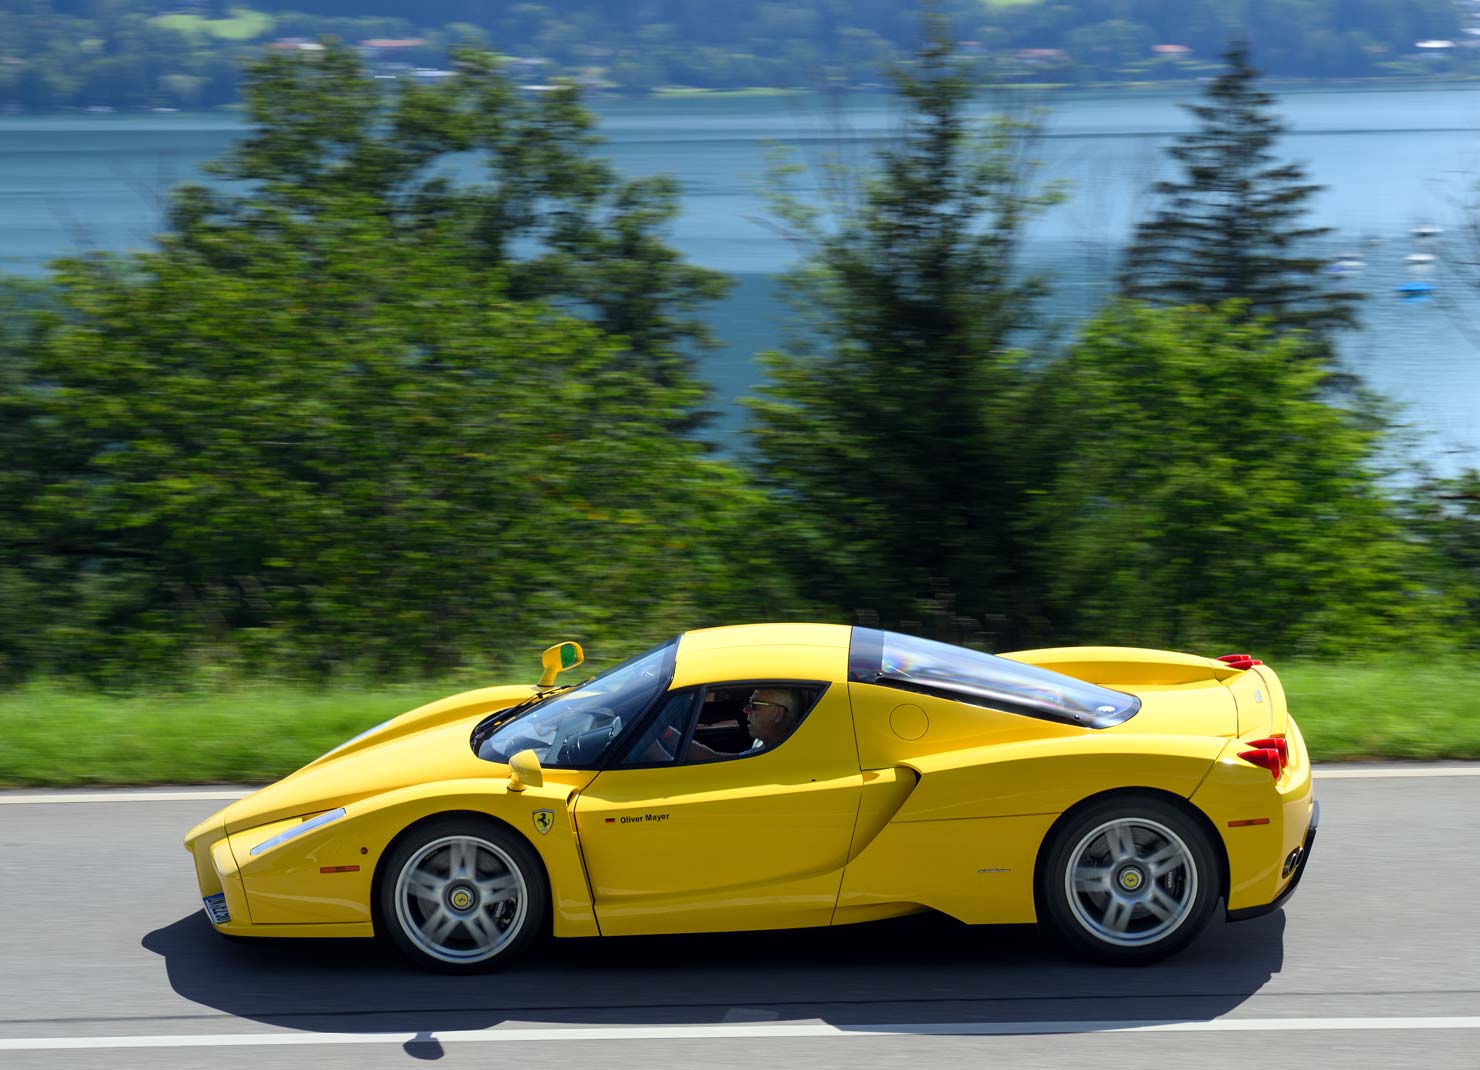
x=1183 y=506
x=884 y=431
x=1445 y=514
x=1230 y=229
x=338 y=420
x=22 y=594
x=557 y=221
x=331 y=455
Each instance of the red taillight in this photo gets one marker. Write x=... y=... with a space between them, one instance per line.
x=1275 y=743
x=1264 y=758
x=1240 y=661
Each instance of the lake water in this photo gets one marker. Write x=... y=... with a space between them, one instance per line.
x=1391 y=159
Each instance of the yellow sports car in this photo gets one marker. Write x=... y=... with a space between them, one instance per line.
x=783 y=775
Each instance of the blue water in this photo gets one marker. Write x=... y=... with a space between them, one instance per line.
x=1391 y=159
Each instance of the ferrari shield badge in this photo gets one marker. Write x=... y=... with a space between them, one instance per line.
x=544 y=820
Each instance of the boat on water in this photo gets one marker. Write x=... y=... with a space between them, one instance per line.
x=1420 y=258
x=1426 y=230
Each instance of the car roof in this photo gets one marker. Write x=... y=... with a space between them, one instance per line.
x=763 y=652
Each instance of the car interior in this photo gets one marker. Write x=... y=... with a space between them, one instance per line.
x=721 y=724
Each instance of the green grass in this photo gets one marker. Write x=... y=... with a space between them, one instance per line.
x=1405 y=707
x=52 y=734
x=244 y=25
x=61 y=736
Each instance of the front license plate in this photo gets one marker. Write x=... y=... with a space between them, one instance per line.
x=216 y=908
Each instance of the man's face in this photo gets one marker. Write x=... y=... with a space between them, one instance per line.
x=767 y=718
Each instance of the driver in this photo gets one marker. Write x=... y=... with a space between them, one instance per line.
x=771 y=714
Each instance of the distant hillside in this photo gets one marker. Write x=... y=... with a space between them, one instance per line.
x=779 y=41
x=151 y=53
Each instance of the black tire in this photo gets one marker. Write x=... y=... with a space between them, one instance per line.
x=461 y=895
x=1129 y=880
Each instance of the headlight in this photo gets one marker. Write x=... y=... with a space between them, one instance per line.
x=298 y=830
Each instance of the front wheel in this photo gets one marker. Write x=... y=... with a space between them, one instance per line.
x=461 y=894
x=1129 y=880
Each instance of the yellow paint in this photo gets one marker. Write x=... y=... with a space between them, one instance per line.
x=756 y=842
x=557 y=658
x=1234 y=791
x=881 y=803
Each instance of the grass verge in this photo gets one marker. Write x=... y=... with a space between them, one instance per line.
x=55 y=735
x=61 y=736
x=1403 y=708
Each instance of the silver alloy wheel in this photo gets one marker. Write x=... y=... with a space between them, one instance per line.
x=1131 y=882
x=461 y=899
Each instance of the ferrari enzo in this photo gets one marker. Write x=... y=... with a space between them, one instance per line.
x=784 y=775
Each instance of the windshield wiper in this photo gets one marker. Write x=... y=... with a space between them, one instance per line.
x=504 y=716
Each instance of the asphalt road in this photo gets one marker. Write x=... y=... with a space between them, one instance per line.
x=1374 y=963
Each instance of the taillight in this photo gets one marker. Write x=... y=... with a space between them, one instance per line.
x=1264 y=758
x=1275 y=743
x=1240 y=661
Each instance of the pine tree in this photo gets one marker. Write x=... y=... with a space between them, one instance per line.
x=886 y=431
x=1230 y=228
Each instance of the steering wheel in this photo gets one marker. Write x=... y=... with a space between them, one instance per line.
x=578 y=744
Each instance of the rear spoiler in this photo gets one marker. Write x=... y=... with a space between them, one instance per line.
x=1128 y=665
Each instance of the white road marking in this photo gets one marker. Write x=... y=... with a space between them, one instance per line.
x=739 y=1031
x=1396 y=771
x=124 y=796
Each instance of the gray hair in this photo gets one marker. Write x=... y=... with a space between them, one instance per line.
x=784 y=697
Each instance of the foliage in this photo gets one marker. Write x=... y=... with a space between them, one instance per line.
x=1230 y=229
x=883 y=433
x=556 y=221
x=1182 y=503
x=1445 y=514
x=333 y=421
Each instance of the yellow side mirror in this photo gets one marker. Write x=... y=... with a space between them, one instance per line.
x=558 y=657
x=525 y=771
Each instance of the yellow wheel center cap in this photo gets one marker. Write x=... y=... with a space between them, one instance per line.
x=462 y=899
x=1130 y=880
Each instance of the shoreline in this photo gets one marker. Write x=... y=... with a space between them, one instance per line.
x=676 y=94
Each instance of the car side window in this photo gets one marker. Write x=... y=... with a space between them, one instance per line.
x=663 y=739
x=740 y=720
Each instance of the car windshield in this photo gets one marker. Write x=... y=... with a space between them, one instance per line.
x=893 y=660
x=573 y=728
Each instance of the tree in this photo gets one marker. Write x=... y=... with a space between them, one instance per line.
x=1445 y=514
x=883 y=432
x=337 y=458
x=555 y=220
x=1184 y=506
x=1230 y=228
x=339 y=420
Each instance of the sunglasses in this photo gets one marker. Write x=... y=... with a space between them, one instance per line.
x=755 y=704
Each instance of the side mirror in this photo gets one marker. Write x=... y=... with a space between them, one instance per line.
x=525 y=771
x=558 y=657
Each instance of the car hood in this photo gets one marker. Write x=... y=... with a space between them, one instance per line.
x=427 y=744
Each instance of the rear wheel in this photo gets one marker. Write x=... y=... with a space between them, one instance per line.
x=461 y=894
x=1129 y=880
